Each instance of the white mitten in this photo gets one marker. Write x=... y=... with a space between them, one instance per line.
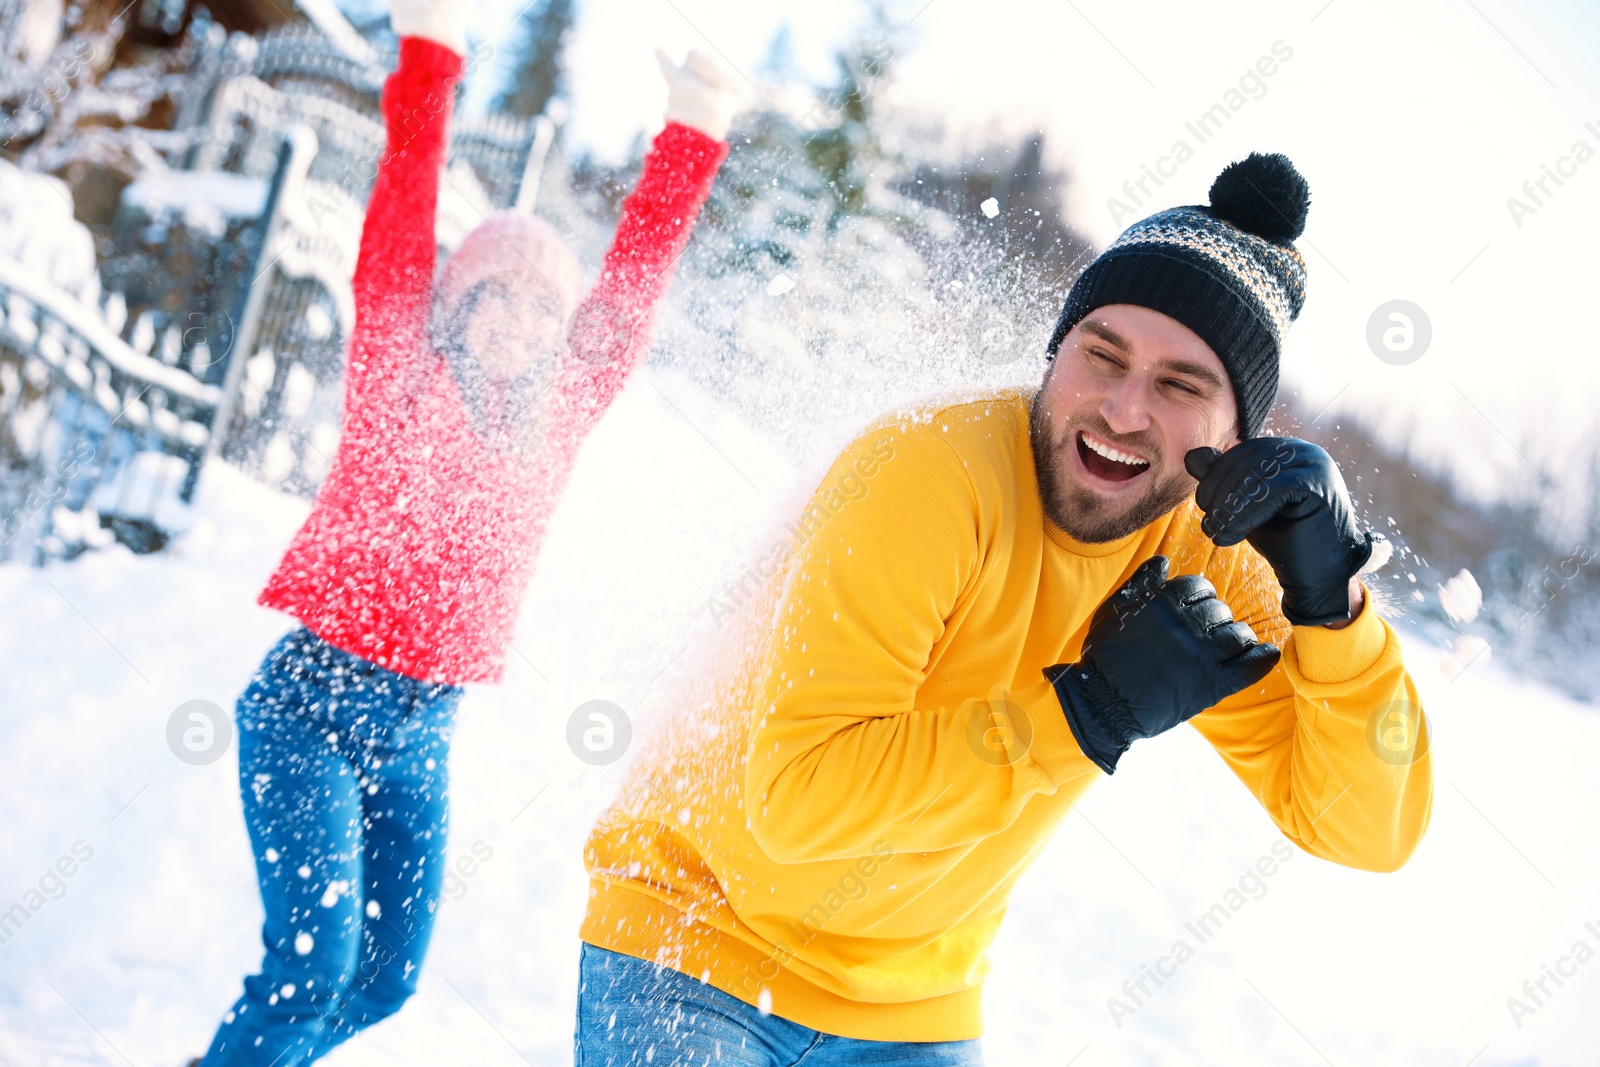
x=700 y=93
x=437 y=20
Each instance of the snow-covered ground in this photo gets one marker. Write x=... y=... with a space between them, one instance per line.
x=131 y=958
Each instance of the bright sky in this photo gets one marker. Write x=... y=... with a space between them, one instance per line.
x=1413 y=121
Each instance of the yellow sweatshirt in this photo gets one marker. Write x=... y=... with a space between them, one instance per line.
x=829 y=827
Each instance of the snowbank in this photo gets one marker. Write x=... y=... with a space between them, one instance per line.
x=132 y=957
x=37 y=230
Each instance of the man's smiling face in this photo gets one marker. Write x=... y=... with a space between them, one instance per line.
x=1129 y=392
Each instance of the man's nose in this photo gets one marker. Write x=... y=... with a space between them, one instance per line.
x=1124 y=407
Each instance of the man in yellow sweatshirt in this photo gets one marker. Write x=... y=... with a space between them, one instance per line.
x=986 y=603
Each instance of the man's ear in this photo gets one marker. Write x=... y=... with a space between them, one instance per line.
x=1235 y=438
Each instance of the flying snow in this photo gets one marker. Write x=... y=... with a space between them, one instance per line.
x=1461 y=597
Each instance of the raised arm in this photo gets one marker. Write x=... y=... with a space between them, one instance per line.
x=846 y=755
x=613 y=328
x=1334 y=743
x=393 y=283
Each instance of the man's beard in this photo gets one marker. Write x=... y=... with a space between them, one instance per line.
x=1083 y=515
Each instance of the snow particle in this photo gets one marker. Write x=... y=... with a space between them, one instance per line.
x=990 y=208
x=1466 y=650
x=287 y=991
x=304 y=871
x=373 y=910
x=302 y=943
x=272 y=855
x=1382 y=552
x=1461 y=597
x=779 y=285
x=764 y=1001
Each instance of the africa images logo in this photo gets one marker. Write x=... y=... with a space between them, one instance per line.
x=999 y=731
x=199 y=732
x=1395 y=733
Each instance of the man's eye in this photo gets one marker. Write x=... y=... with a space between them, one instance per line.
x=1184 y=387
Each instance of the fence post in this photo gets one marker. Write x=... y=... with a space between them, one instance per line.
x=294 y=160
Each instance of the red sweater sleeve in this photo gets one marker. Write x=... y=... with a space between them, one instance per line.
x=614 y=326
x=393 y=284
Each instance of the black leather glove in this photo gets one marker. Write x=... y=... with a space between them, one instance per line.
x=1286 y=497
x=1158 y=653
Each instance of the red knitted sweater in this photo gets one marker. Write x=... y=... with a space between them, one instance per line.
x=420 y=545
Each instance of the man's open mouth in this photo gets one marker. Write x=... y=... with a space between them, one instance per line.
x=1108 y=462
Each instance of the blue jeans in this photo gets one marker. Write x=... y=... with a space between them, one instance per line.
x=342 y=768
x=632 y=1012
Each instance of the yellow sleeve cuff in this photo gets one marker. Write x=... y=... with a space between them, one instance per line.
x=1054 y=750
x=1326 y=655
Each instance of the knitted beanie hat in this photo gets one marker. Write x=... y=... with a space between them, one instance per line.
x=1228 y=271
x=527 y=250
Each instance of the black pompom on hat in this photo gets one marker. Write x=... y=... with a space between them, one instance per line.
x=1228 y=270
x=1263 y=195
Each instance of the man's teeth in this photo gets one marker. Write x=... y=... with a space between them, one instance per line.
x=1113 y=453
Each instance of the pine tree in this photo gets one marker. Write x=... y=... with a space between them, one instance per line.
x=793 y=179
x=847 y=152
x=538 y=73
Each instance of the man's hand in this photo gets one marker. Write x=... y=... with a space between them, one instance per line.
x=1286 y=497
x=437 y=20
x=700 y=93
x=1158 y=653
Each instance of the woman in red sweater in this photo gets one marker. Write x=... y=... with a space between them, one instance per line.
x=465 y=404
